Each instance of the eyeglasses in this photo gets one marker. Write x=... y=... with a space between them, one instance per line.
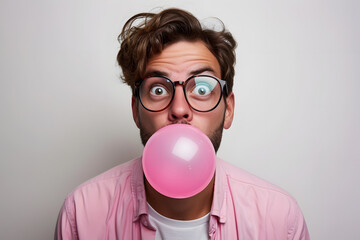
x=202 y=92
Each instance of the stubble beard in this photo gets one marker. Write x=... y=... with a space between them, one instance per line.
x=215 y=136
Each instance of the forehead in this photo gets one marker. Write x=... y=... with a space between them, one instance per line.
x=184 y=57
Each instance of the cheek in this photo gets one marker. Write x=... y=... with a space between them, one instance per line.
x=216 y=116
x=152 y=121
x=208 y=122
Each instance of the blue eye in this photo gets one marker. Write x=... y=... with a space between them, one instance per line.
x=202 y=90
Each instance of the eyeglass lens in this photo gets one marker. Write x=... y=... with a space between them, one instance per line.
x=202 y=92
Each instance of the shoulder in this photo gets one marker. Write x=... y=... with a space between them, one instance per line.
x=118 y=172
x=87 y=208
x=108 y=180
x=100 y=190
x=239 y=177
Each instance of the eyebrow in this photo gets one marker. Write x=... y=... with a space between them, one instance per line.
x=194 y=72
x=155 y=73
x=201 y=70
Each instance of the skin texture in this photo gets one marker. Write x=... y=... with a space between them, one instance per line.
x=179 y=61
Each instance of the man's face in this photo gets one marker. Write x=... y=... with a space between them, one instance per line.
x=178 y=62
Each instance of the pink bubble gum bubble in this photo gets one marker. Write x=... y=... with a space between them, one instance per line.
x=179 y=161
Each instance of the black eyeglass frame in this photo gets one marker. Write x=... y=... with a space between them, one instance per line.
x=223 y=85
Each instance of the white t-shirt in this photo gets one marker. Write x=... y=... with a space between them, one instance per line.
x=171 y=229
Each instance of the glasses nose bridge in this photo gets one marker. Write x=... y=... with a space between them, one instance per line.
x=182 y=83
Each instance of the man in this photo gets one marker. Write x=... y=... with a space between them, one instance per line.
x=163 y=57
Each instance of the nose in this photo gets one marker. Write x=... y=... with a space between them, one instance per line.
x=179 y=109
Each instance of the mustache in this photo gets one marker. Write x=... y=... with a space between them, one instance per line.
x=180 y=122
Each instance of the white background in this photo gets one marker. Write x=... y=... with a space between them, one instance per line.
x=66 y=116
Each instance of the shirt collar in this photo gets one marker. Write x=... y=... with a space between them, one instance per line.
x=218 y=208
x=138 y=190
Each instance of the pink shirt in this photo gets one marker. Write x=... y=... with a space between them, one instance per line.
x=113 y=206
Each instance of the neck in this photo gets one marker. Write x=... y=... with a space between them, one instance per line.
x=181 y=209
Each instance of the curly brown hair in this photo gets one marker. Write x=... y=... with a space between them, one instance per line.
x=142 y=40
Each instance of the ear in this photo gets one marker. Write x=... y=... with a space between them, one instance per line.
x=135 y=111
x=229 y=111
